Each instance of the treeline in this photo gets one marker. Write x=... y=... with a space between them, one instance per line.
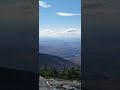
x=72 y=73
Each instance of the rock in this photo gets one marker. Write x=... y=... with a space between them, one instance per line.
x=54 y=84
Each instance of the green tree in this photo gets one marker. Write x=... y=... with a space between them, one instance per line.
x=64 y=73
x=54 y=72
x=77 y=72
x=45 y=72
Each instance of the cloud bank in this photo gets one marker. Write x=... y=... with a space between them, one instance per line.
x=66 y=32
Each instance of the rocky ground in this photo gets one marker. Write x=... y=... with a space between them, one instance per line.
x=58 y=84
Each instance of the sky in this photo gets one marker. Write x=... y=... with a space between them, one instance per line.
x=59 y=18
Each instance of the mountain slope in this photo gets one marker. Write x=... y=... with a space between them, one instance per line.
x=54 y=61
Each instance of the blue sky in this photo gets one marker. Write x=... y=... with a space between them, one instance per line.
x=59 y=17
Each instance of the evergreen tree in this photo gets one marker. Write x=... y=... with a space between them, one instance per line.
x=64 y=73
x=54 y=72
x=45 y=72
x=73 y=73
x=78 y=73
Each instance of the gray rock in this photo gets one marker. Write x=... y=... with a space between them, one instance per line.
x=55 y=84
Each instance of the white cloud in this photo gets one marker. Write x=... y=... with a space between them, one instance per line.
x=71 y=31
x=44 y=4
x=67 y=14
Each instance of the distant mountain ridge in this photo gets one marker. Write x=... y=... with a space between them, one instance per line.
x=54 y=61
x=67 y=48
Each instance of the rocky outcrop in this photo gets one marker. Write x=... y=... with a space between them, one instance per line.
x=58 y=84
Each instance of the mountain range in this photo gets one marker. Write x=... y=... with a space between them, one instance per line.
x=67 y=48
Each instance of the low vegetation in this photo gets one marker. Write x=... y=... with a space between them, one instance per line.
x=52 y=72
